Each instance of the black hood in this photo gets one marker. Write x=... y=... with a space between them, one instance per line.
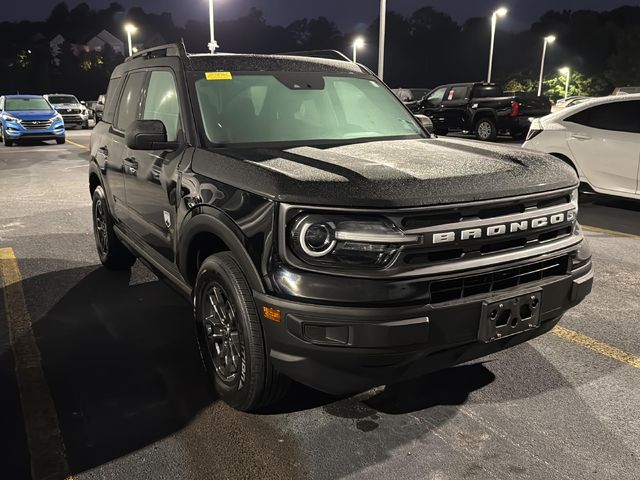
x=398 y=173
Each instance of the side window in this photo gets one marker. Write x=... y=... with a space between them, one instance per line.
x=130 y=100
x=617 y=117
x=112 y=99
x=162 y=103
x=456 y=93
x=434 y=99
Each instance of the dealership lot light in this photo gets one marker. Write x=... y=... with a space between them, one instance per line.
x=130 y=29
x=501 y=12
x=566 y=71
x=357 y=43
x=548 y=40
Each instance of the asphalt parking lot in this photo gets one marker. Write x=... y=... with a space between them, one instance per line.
x=100 y=376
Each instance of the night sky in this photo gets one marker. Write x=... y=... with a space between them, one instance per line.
x=346 y=13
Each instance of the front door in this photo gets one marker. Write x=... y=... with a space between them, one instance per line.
x=151 y=176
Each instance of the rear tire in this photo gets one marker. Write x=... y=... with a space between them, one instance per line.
x=112 y=252
x=486 y=130
x=518 y=134
x=231 y=339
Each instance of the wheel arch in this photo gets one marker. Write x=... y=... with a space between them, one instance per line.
x=207 y=234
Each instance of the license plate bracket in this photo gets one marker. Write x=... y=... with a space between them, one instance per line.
x=509 y=316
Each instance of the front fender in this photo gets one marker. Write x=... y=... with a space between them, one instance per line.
x=210 y=220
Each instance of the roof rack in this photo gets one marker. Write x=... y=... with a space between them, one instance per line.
x=168 y=50
x=328 y=54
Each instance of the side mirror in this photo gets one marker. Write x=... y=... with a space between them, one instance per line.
x=83 y=102
x=426 y=123
x=148 y=135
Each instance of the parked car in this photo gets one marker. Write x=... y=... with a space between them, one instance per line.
x=482 y=109
x=72 y=110
x=568 y=102
x=25 y=117
x=98 y=108
x=625 y=90
x=90 y=104
x=599 y=138
x=318 y=230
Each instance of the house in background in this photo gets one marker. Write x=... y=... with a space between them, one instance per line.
x=98 y=42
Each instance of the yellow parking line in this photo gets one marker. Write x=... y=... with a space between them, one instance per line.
x=44 y=438
x=615 y=233
x=597 y=346
x=79 y=145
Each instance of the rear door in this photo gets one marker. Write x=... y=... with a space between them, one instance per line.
x=112 y=150
x=151 y=176
x=454 y=106
x=605 y=140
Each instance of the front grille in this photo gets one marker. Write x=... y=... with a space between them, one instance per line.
x=69 y=111
x=479 y=216
x=448 y=290
x=36 y=124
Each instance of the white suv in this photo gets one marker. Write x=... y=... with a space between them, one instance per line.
x=600 y=138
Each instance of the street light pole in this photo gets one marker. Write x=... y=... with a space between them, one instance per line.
x=566 y=71
x=130 y=29
x=357 y=43
x=547 y=41
x=501 y=12
x=212 y=43
x=383 y=28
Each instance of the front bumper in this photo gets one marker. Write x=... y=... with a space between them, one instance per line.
x=75 y=119
x=340 y=350
x=15 y=131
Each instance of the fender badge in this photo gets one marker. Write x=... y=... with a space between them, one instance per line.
x=167 y=219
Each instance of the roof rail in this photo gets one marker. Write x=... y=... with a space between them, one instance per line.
x=168 y=50
x=328 y=54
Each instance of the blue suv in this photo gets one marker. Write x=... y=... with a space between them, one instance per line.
x=29 y=117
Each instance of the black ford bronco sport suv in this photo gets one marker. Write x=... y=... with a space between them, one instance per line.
x=319 y=230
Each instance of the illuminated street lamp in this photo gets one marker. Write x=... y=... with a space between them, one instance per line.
x=383 y=27
x=501 y=12
x=130 y=29
x=212 y=43
x=566 y=71
x=357 y=43
x=547 y=41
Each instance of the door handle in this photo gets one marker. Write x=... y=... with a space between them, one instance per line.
x=580 y=136
x=130 y=165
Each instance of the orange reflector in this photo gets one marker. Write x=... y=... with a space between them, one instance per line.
x=272 y=314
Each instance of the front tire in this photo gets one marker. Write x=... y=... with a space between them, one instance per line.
x=60 y=141
x=230 y=337
x=112 y=252
x=7 y=141
x=85 y=125
x=486 y=130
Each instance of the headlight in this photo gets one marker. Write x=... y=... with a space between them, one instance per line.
x=340 y=240
x=9 y=118
x=57 y=116
x=575 y=196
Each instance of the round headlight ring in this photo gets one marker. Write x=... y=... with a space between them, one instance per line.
x=324 y=247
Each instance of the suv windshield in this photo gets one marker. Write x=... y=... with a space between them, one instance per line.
x=299 y=107
x=24 y=104
x=56 y=99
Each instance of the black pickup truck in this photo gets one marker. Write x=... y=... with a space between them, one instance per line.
x=481 y=108
x=319 y=231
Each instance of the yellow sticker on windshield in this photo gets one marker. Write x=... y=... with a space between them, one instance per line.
x=218 y=76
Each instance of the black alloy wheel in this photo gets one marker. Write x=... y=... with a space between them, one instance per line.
x=231 y=338
x=112 y=252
